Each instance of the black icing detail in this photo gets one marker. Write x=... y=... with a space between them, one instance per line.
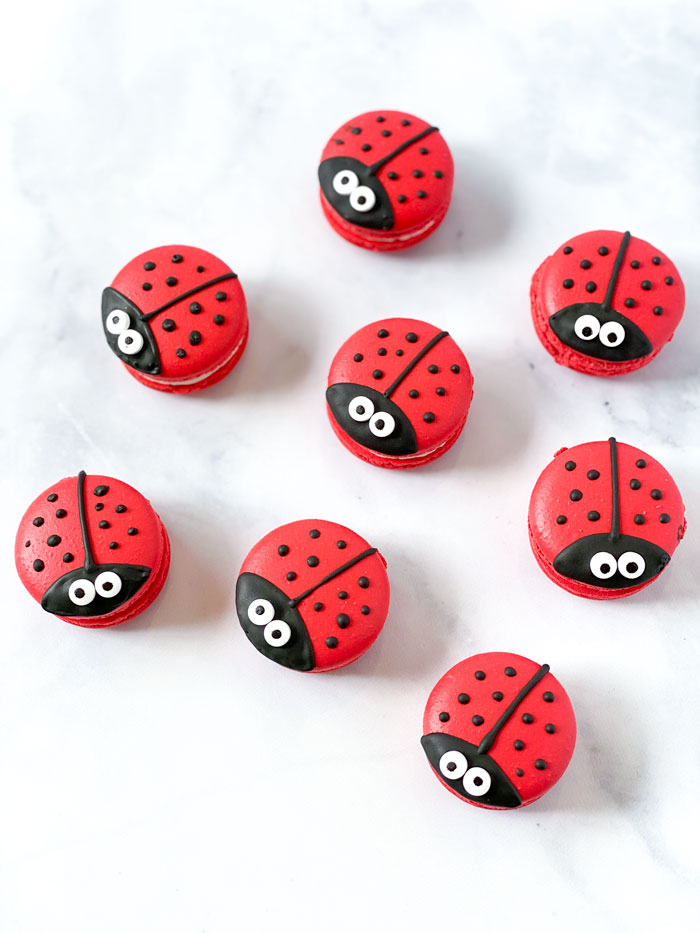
x=298 y=653
x=501 y=794
x=401 y=442
x=57 y=601
x=574 y=561
x=380 y=217
x=148 y=360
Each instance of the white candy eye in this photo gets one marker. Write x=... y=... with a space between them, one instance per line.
x=612 y=334
x=587 y=327
x=261 y=611
x=631 y=565
x=603 y=565
x=130 y=342
x=361 y=408
x=362 y=199
x=477 y=782
x=453 y=765
x=345 y=182
x=108 y=584
x=277 y=633
x=117 y=322
x=381 y=424
x=81 y=592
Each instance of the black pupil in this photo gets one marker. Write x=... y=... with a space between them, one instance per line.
x=478 y=781
x=451 y=766
x=276 y=633
x=259 y=610
x=128 y=340
x=587 y=331
x=115 y=319
x=360 y=409
x=80 y=592
x=605 y=568
x=362 y=199
x=107 y=586
x=632 y=567
x=379 y=424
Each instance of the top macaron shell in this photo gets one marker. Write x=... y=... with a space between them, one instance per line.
x=571 y=519
x=337 y=619
x=187 y=308
x=125 y=535
x=407 y=369
x=531 y=744
x=399 y=184
x=630 y=293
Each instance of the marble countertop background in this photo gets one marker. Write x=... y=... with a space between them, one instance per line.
x=163 y=776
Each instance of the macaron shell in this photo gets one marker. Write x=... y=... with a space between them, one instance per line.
x=549 y=295
x=290 y=549
x=547 y=735
x=215 y=339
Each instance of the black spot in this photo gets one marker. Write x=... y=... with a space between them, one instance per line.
x=314 y=533
x=176 y=258
x=646 y=285
x=540 y=764
x=664 y=518
x=342 y=594
x=405 y=122
x=497 y=695
x=366 y=147
x=195 y=307
x=417 y=173
x=120 y=509
x=454 y=368
x=171 y=281
x=132 y=531
x=518 y=745
x=355 y=130
x=437 y=173
x=380 y=119
x=444 y=717
x=149 y=266
x=575 y=495
x=519 y=772
x=195 y=338
x=568 y=283
x=603 y=250
x=635 y=264
x=656 y=494
x=413 y=393
x=68 y=558
x=510 y=672
x=180 y=353
x=146 y=286
x=639 y=519
x=421 y=194
x=463 y=698
x=318 y=607
x=219 y=319
x=386 y=132
x=377 y=374
x=332 y=642
x=550 y=728
x=548 y=696
x=656 y=260
x=635 y=484
x=568 y=249
x=629 y=302
x=38 y=522
x=291 y=576
x=27 y=543
x=52 y=496
x=113 y=545
x=401 y=198
x=479 y=675
x=38 y=565
x=364 y=610
x=392 y=175
x=478 y=720
x=283 y=550
x=658 y=310
x=341 y=544
x=669 y=280
x=99 y=506
x=641 y=464
x=569 y=465
x=527 y=718
x=200 y=268
x=101 y=490
x=440 y=390
x=593 y=474
x=381 y=351
x=312 y=561
x=363 y=582
x=591 y=286
x=358 y=357
x=561 y=519
x=220 y=296
x=428 y=417
x=168 y=324
x=433 y=369
x=423 y=150
x=104 y=524
x=593 y=516
x=585 y=263
x=343 y=620
x=411 y=337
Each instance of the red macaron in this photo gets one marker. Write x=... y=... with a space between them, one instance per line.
x=92 y=551
x=399 y=393
x=605 y=303
x=176 y=317
x=499 y=730
x=604 y=519
x=386 y=180
x=312 y=595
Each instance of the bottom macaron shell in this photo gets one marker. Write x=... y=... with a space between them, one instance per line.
x=373 y=239
x=204 y=383
x=564 y=355
x=393 y=463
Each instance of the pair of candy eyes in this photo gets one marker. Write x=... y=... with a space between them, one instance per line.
x=631 y=565
x=276 y=632
x=129 y=341
x=107 y=584
x=381 y=423
x=347 y=183
x=588 y=327
x=475 y=781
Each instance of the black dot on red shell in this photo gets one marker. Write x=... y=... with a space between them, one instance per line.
x=411 y=337
x=656 y=260
x=423 y=150
x=656 y=494
x=478 y=720
x=120 y=509
x=101 y=490
x=332 y=642
x=413 y=393
x=339 y=142
x=363 y=582
x=283 y=550
x=149 y=266
x=568 y=283
x=200 y=268
x=664 y=518
x=341 y=544
x=454 y=368
x=392 y=175
x=575 y=495
x=358 y=357
x=38 y=565
x=38 y=522
x=364 y=610
x=528 y=718
x=437 y=173
x=386 y=132
x=113 y=545
x=593 y=516
x=195 y=338
x=132 y=531
x=405 y=122
x=380 y=119
x=401 y=199
x=658 y=310
x=219 y=319
x=641 y=464
x=510 y=672
x=603 y=250
x=550 y=728
x=569 y=465
x=421 y=194
x=365 y=147
x=635 y=484
x=548 y=696
x=220 y=296
x=104 y=524
x=646 y=285
x=342 y=594
x=171 y=281
x=355 y=130
x=52 y=496
x=146 y=286
x=497 y=695
x=440 y=390
x=99 y=506
x=417 y=173
x=629 y=302
x=433 y=369
x=463 y=698
x=639 y=519
x=168 y=324
x=669 y=280
x=314 y=533
x=479 y=675
x=318 y=607
x=585 y=263
x=444 y=717
x=591 y=286
x=342 y=620
x=381 y=351
x=540 y=764
x=519 y=772
x=176 y=257
x=567 y=250
x=53 y=540
x=428 y=417
x=180 y=353
x=377 y=374
x=382 y=333
x=27 y=543
x=635 y=264
x=67 y=557
x=593 y=474
x=195 y=307
x=561 y=519
x=518 y=745
x=312 y=561
x=291 y=576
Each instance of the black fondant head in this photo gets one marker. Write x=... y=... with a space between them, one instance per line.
x=95 y=592
x=355 y=193
x=593 y=330
x=371 y=419
x=471 y=775
x=600 y=561
x=271 y=624
x=128 y=335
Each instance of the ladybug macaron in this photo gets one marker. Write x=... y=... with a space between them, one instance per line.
x=386 y=180
x=312 y=595
x=499 y=730
x=176 y=317
x=606 y=303
x=399 y=392
x=604 y=519
x=92 y=550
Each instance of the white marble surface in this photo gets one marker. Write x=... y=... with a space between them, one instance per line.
x=163 y=776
